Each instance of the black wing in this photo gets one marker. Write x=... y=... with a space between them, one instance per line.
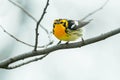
x=75 y=24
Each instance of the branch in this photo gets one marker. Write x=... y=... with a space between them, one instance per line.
x=5 y=64
x=23 y=10
x=27 y=62
x=9 y=34
x=37 y=26
x=95 y=11
x=28 y=14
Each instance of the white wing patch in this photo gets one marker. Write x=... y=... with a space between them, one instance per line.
x=74 y=25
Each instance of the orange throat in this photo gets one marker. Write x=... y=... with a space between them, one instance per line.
x=59 y=31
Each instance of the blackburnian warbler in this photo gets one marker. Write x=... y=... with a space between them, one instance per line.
x=68 y=30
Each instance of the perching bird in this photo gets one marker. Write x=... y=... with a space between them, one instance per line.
x=68 y=30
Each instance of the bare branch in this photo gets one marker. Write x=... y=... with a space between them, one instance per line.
x=37 y=26
x=95 y=11
x=26 y=12
x=4 y=64
x=23 y=41
x=27 y=62
x=23 y=10
x=15 y=37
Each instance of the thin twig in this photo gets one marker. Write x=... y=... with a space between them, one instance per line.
x=37 y=26
x=28 y=14
x=95 y=11
x=23 y=10
x=4 y=64
x=27 y=62
x=9 y=34
x=15 y=37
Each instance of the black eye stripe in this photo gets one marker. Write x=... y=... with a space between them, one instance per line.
x=64 y=24
x=61 y=21
x=53 y=25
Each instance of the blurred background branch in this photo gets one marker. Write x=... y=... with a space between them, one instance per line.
x=95 y=11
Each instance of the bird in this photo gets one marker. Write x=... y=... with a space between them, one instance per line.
x=68 y=30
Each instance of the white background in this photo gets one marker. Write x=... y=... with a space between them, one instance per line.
x=98 y=61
